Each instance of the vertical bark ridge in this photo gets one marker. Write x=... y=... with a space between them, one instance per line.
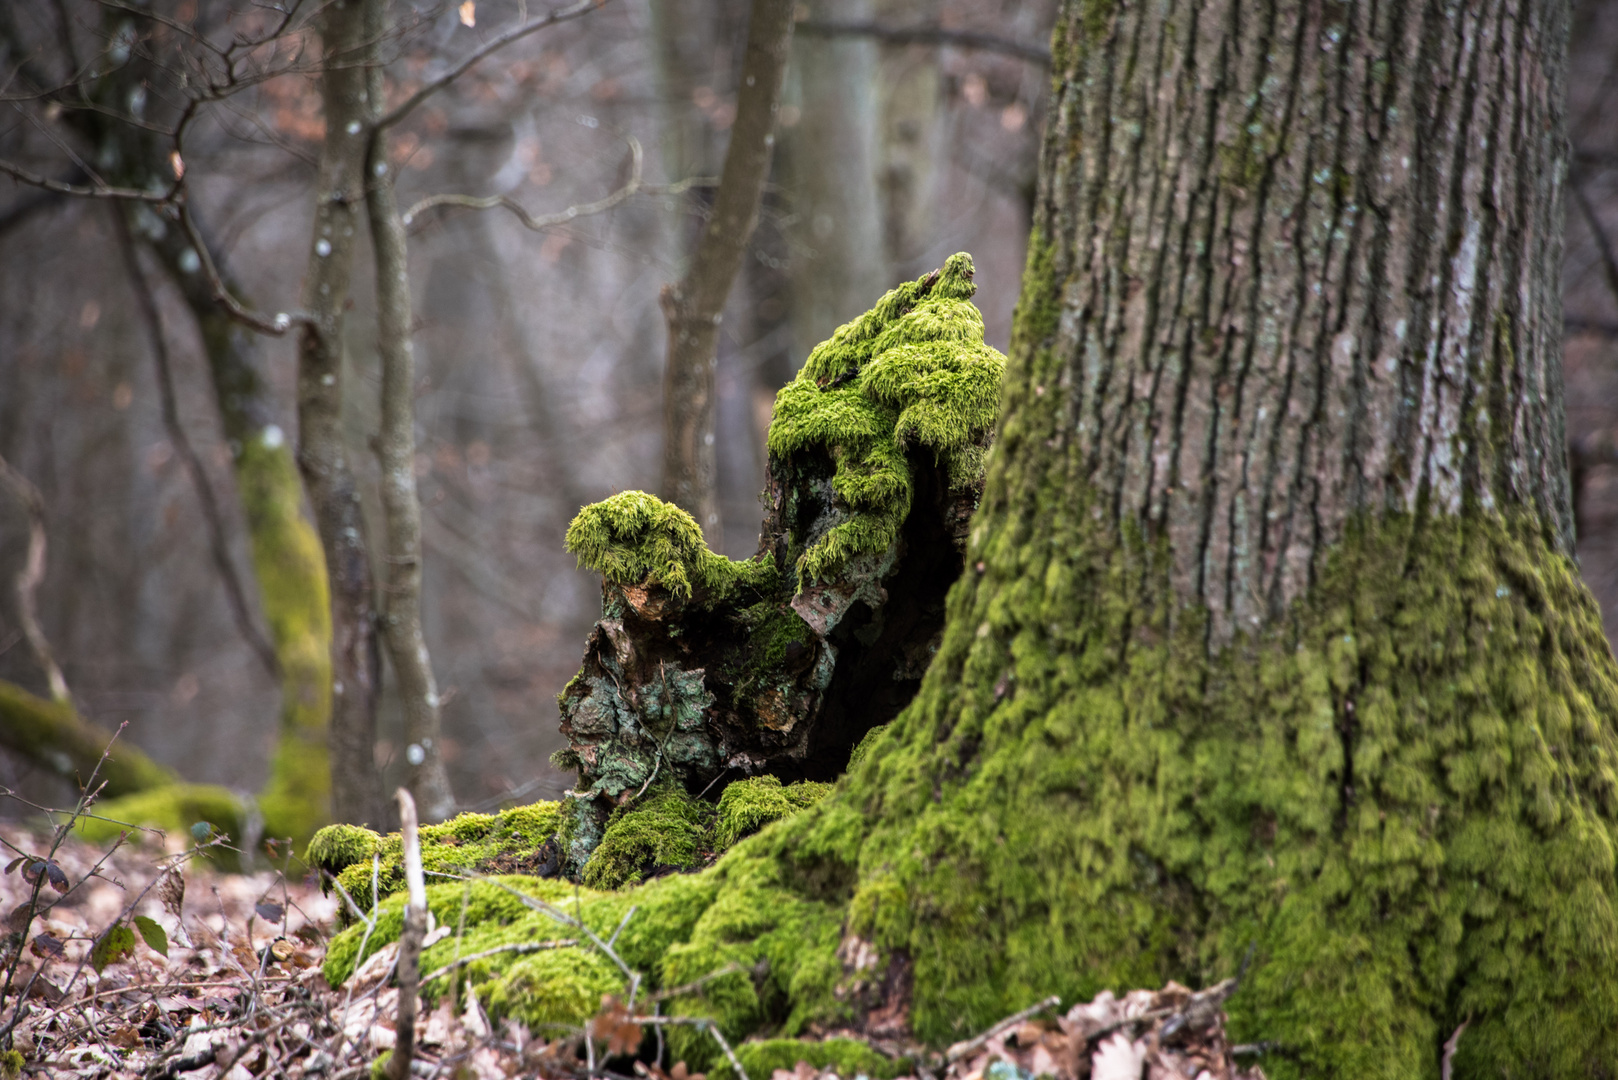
x=1235 y=366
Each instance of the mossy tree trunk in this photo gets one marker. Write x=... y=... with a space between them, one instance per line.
x=1270 y=637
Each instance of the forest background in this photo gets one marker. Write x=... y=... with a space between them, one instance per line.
x=906 y=132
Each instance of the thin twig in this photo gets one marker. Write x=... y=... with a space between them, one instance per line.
x=498 y=42
x=29 y=577
x=545 y=221
x=961 y=1049
x=99 y=191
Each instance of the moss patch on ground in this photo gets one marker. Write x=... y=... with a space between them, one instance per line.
x=196 y=811
x=848 y=1058
x=637 y=539
x=512 y=840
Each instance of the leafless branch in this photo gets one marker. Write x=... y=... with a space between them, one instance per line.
x=494 y=44
x=95 y=191
x=545 y=221
x=29 y=577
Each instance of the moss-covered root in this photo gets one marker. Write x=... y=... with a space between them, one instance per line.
x=669 y=830
x=911 y=373
x=637 y=539
x=512 y=841
x=748 y=805
x=1403 y=799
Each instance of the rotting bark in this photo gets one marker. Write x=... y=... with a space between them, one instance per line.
x=692 y=306
x=701 y=669
x=322 y=456
x=399 y=614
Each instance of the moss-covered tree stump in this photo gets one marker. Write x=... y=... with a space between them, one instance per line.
x=703 y=670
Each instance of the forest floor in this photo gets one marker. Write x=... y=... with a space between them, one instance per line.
x=146 y=962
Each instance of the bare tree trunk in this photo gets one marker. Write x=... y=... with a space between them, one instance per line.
x=400 y=610
x=839 y=260
x=328 y=476
x=693 y=305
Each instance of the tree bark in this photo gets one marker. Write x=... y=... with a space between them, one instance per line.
x=400 y=609
x=693 y=306
x=322 y=458
x=1270 y=644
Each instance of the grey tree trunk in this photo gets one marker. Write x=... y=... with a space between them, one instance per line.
x=399 y=612
x=322 y=458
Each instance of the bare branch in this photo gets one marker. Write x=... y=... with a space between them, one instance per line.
x=529 y=221
x=495 y=44
x=274 y=326
x=29 y=577
x=97 y=191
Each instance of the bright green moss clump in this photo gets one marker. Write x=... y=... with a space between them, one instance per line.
x=749 y=805
x=667 y=831
x=913 y=372
x=337 y=847
x=634 y=539
x=510 y=841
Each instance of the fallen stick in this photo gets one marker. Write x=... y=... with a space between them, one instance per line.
x=961 y=1049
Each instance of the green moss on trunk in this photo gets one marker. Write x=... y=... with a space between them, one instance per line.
x=1404 y=798
x=291 y=572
